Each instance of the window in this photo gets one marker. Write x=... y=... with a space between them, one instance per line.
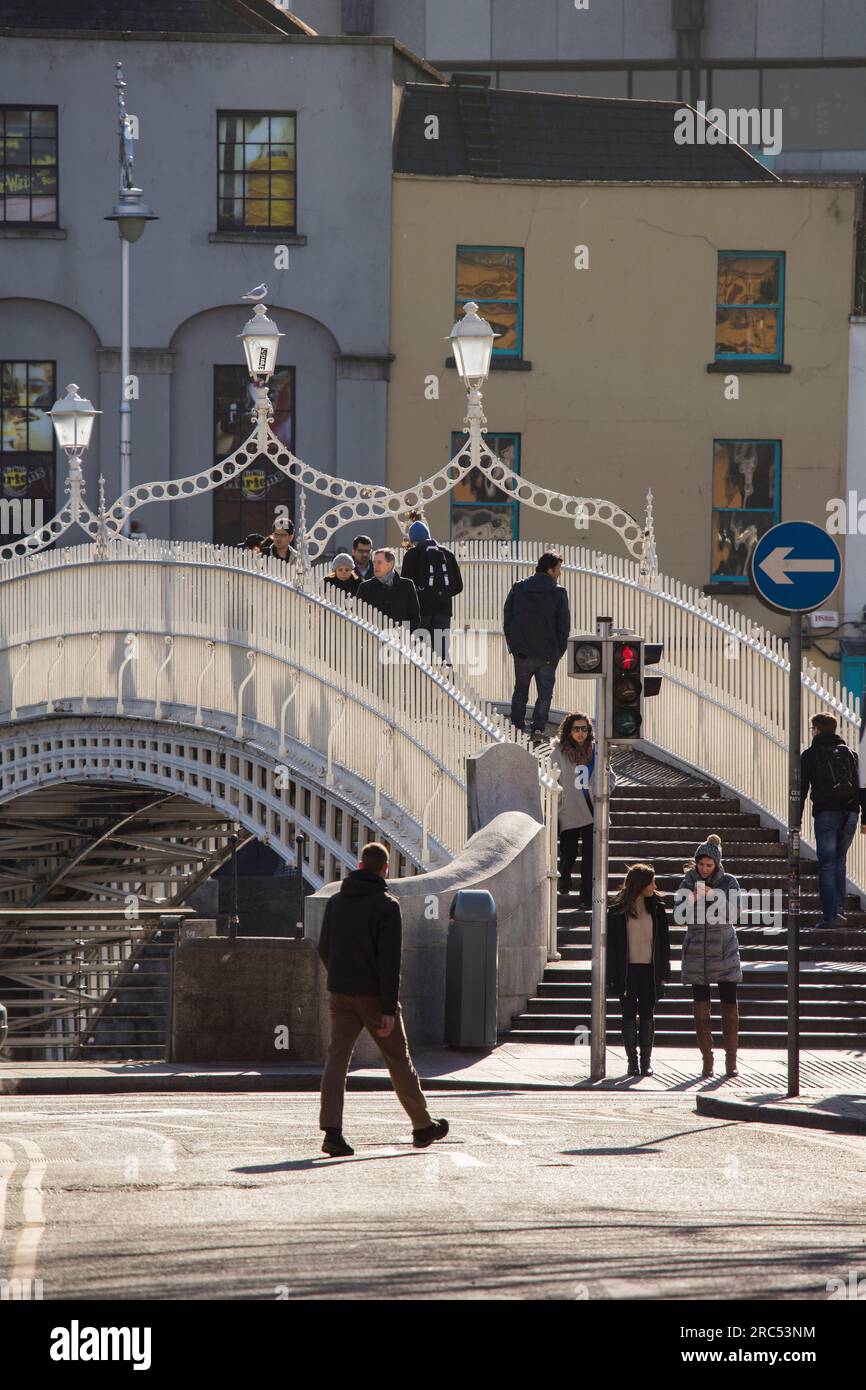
x=749 y=306
x=481 y=511
x=746 y=499
x=256 y=171
x=26 y=447
x=822 y=108
x=601 y=83
x=28 y=165
x=493 y=277
x=247 y=503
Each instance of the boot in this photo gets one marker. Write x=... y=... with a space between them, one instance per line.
x=629 y=1038
x=705 y=1035
x=730 y=1034
x=647 y=1033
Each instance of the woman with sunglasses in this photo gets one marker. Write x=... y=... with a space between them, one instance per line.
x=574 y=755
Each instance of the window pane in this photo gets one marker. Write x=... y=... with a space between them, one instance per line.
x=282 y=130
x=736 y=88
x=17 y=125
x=282 y=213
x=748 y=280
x=487 y=274
x=735 y=535
x=256 y=128
x=26 y=444
x=43 y=123
x=479 y=509
x=744 y=474
x=43 y=151
x=258 y=170
x=654 y=86
x=247 y=503
x=822 y=108
x=747 y=331
x=17 y=150
x=584 y=84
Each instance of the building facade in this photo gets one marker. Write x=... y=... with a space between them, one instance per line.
x=806 y=58
x=252 y=153
x=685 y=334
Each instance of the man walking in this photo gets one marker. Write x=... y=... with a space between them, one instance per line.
x=360 y=946
x=434 y=571
x=830 y=769
x=394 y=597
x=536 y=624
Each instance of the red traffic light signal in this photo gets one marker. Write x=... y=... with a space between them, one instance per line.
x=626 y=656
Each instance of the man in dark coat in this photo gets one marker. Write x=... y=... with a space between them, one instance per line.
x=362 y=551
x=360 y=946
x=395 y=598
x=831 y=771
x=536 y=624
x=434 y=571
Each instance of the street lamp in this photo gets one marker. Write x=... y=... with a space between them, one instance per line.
x=261 y=340
x=131 y=216
x=472 y=341
x=72 y=418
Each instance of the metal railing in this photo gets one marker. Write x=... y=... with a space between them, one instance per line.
x=724 y=704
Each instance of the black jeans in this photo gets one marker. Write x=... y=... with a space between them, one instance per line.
x=639 y=993
x=569 y=843
x=727 y=992
x=525 y=667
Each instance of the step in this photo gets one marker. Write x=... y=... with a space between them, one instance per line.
x=808 y=1040
x=571 y=1005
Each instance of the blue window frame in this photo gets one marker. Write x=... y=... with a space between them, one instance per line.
x=750 y=306
x=492 y=276
x=746 y=503
x=480 y=510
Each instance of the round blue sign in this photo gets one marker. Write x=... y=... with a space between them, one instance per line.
x=796 y=566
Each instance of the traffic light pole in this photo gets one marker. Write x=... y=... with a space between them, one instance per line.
x=601 y=820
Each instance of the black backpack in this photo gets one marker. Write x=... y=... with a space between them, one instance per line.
x=433 y=579
x=836 y=774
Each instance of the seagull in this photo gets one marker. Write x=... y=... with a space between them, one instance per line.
x=260 y=292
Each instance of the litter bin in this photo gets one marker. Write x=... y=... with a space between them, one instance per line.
x=470 y=971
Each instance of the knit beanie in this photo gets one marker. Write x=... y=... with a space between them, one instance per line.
x=710 y=849
x=419 y=531
x=344 y=558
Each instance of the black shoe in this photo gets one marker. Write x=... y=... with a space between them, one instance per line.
x=423 y=1138
x=335 y=1145
x=629 y=1039
x=563 y=887
x=647 y=1036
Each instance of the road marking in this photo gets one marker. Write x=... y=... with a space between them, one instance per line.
x=7 y=1167
x=505 y=1139
x=32 y=1213
x=464 y=1160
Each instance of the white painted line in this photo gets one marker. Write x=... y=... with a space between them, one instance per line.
x=464 y=1160
x=7 y=1167
x=32 y=1211
x=505 y=1139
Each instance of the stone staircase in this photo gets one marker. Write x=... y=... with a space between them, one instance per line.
x=659 y=814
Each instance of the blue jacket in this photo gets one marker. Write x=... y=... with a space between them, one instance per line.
x=537 y=620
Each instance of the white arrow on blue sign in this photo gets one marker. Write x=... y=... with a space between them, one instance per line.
x=796 y=566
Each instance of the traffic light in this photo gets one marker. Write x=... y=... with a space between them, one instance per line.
x=652 y=655
x=585 y=656
x=624 y=690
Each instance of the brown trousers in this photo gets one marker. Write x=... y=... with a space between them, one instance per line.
x=349 y=1014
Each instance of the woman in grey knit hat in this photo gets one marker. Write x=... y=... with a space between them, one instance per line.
x=707 y=902
x=343 y=576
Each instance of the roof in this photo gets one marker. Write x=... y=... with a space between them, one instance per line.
x=541 y=135
x=230 y=17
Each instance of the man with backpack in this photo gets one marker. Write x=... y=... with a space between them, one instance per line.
x=832 y=772
x=436 y=575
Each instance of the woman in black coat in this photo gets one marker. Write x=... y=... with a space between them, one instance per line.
x=343 y=576
x=638 y=961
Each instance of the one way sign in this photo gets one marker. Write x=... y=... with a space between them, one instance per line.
x=796 y=566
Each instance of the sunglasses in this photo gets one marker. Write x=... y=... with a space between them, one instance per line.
x=580 y=728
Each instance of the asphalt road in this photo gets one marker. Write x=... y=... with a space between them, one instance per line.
x=530 y=1197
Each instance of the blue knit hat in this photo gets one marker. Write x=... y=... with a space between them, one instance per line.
x=419 y=531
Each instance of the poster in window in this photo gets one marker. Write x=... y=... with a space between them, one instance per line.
x=744 y=474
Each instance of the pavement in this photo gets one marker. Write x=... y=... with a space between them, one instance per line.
x=832 y=1083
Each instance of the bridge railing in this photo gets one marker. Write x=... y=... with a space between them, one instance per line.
x=724 y=703
x=216 y=636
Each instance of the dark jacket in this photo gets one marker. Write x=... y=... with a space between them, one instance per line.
x=398 y=602
x=345 y=586
x=414 y=568
x=368 y=572
x=617 y=948
x=808 y=769
x=537 y=621
x=361 y=939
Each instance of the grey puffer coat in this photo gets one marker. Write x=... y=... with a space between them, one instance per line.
x=710 y=950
